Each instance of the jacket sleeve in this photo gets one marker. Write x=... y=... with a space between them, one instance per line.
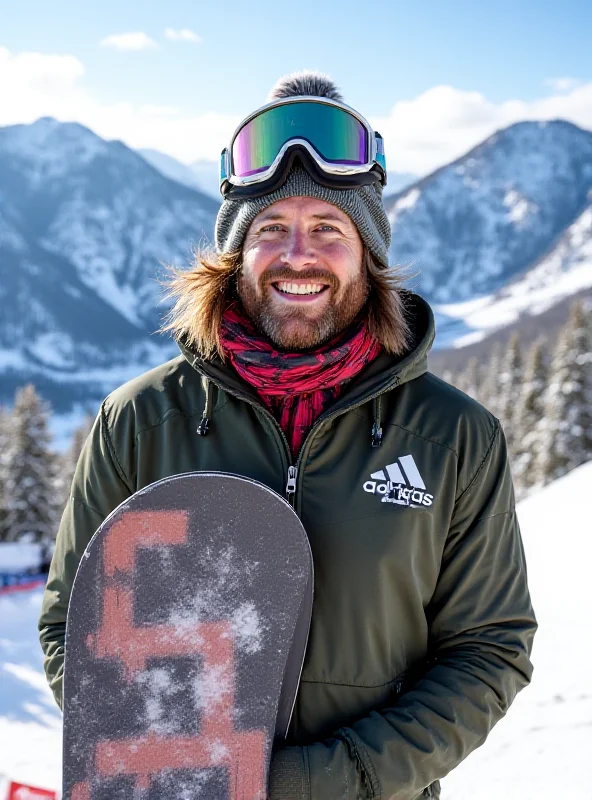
x=481 y=630
x=98 y=487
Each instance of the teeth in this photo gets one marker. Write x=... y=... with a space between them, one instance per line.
x=295 y=288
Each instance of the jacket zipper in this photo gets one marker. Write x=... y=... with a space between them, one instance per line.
x=293 y=470
x=291 y=485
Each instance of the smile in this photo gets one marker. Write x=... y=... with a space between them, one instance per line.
x=286 y=287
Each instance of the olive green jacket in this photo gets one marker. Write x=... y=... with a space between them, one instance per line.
x=422 y=624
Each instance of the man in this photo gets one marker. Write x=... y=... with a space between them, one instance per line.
x=304 y=366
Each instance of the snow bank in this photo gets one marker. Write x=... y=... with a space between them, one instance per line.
x=16 y=557
x=542 y=748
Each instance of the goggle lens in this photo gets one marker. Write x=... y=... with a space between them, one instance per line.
x=334 y=133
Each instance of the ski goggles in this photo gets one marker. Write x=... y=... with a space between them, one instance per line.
x=336 y=145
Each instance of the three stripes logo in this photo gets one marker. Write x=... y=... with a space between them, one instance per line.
x=400 y=483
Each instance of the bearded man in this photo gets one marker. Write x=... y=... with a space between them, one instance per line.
x=304 y=366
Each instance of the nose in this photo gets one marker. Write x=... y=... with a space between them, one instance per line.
x=299 y=251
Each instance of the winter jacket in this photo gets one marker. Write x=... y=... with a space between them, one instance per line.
x=422 y=623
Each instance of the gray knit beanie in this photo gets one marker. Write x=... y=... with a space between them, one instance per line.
x=363 y=204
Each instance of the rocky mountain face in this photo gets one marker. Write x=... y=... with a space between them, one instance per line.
x=87 y=227
x=475 y=225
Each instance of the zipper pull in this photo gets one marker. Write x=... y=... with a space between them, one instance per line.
x=291 y=485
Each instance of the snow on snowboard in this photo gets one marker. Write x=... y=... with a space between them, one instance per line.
x=185 y=639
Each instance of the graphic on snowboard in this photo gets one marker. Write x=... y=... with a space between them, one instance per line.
x=185 y=639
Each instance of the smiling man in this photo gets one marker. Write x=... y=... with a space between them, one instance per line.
x=304 y=366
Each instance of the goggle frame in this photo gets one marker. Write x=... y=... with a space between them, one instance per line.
x=376 y=157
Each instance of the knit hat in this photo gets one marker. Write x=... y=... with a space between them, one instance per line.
x=363 y=205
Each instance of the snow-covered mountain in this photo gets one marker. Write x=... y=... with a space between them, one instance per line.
x=86 y=227
x=472 y=227
x=538 y=750
x=201 y=175
x=564 y=271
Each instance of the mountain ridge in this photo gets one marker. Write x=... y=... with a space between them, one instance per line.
x=88 y=226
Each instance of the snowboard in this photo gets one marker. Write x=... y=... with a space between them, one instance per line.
x=185 y=639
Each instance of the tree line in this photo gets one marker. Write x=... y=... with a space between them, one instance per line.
x=35 y=479
x=543 y=398
x=542 y=395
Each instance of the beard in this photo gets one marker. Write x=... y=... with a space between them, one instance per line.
x=301 y=328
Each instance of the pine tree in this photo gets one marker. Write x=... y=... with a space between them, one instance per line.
x=529 y=412
x=472 y=378
x=567 y=430
x=491 y=384
x=69 y=459
x=30 y=471
x=511 y=380
x=4 y=442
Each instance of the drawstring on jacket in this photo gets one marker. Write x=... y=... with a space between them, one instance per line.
x=204 y=425
x=376 y=427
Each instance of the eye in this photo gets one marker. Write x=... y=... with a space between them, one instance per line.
x=327 y=228
x=271 y=228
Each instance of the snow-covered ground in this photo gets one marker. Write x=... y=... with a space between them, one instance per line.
x=30 y=722
x=540 y=751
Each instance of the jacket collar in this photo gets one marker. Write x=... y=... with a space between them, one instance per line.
x=382 y=374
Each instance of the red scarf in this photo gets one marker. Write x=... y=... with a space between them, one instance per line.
x=296 y=387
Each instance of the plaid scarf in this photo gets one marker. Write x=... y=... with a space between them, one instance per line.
x=296 y=387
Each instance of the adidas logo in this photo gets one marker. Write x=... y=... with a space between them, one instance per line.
x=400 y=483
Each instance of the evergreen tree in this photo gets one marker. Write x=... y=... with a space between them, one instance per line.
x=4 y=442
x=491 y=385
x=567 y=430
x=472 y=378
x=511 y=380
x=30 y=471
x=69 y=459
x=529 y=414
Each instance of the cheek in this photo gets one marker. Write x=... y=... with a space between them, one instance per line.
x=258 y=258
x=342 y=260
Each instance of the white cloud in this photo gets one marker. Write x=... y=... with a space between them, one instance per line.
x=34 y=85
x=159 y=111
x=183 y=35
x=561 y=85
x=443 y=123
x=420 y=134
x=129 y=41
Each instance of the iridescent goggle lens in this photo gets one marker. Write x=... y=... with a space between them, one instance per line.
x=336 y=135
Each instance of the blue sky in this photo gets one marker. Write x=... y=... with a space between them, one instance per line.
x=383 y=55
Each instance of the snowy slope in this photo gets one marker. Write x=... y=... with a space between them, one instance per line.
x=564 y=271
x=541 y=750
x=30 y=722
x=538 y=752
x=472 y=226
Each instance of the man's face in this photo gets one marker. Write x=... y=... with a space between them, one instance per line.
x=302 y=279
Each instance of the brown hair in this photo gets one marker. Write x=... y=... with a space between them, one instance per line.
x=203 y=292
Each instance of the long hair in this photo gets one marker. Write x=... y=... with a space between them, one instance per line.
x=202 y=293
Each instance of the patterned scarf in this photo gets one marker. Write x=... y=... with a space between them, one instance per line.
x=296 y=387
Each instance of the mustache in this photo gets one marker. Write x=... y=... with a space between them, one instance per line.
x=311 y=275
